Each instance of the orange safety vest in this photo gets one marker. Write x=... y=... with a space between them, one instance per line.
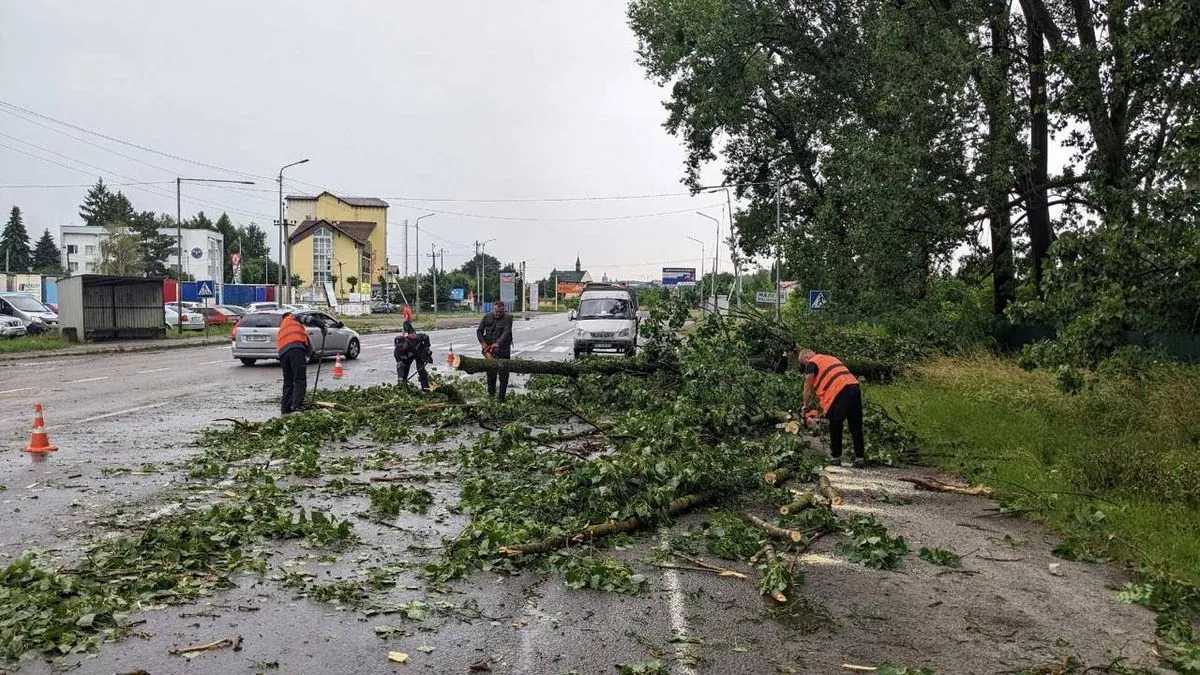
x=290 y=330
x=832 y=377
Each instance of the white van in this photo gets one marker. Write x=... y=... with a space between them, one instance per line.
x=607 y=320
x=36 y=316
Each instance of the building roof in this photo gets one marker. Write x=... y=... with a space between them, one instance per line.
x=358 y=230
x=570 y=277
x=373 y=202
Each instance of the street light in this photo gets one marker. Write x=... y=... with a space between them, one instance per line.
x=285 y=246
x=179 y=237
x=701 y=267
x=481 y=272
x=418 y=254
x=778 y=185
x=716 y=255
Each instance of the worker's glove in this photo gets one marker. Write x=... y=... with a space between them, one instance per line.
x=812 y=419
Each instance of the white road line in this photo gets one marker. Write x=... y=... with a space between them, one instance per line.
x=539 y=345
x=222 y=347
x=121 y=412
x=209 y=363
x=87 y=379
x=675 y=609
x=13 y=391
x=561 y=349
x=152 y=370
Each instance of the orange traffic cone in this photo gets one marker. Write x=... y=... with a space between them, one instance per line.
x=450 y=356
x=40 y=442
x=337 y=367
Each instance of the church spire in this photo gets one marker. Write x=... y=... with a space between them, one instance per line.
x=578 y=267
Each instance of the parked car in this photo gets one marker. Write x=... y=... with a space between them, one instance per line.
x=384 y=307
x=234 y=309
x=215 y=316
x=191 y=320
x=53 y=307
x=11 y=327
x=254 y=336
x=36 y=317
x=262 y=307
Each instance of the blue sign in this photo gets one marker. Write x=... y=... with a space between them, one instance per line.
x=457 y=294
x=205 y=290
x=818 y=299
x=673 y=276
x=197 y=253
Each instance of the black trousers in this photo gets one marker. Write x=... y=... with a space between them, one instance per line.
x=295 y=379
x=403 y=366
x=847 y=407
x=503 y=376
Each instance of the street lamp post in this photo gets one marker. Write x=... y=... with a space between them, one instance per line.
x=716 y=256
x=285 y=246
x=701 y=267
x=179 y=237
x=481 y=270
x=417 y=250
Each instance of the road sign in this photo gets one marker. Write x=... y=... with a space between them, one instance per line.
x=766 y=297
x=197 y=253
x=508 y=290
x=205 y=290
x=673 y=276
x=818 y=299
x=456 y=294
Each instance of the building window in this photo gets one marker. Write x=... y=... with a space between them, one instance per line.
x=89 y=267
x=89 y=250
x=322 y=256
x=72 y=249
x=74 y=267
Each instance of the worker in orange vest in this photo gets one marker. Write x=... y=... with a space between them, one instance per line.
x=840 y=398
x=293 y=348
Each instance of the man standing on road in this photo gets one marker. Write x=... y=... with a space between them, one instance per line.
x=495 y=339
x=293 y=348
x=840 y=398
x=409 y=348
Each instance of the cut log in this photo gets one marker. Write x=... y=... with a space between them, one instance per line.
x=934 y=485
x=794 y=536
x=591 y=532
x=772 y=417
x=803 y=501
x=471 y=365
x=825 y=489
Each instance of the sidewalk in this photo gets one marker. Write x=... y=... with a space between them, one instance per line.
x=116 y=347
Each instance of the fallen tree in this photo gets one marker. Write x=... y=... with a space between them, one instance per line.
x=472 y=365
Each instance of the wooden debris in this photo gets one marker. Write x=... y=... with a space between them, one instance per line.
x=794 y=536
x=189 y=652
x=803 y=501
x=472 y=365
x=825 y=489
x=677 y=506
x=931 y=484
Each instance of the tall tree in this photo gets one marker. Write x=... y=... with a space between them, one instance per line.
x=47 y=258
x=14 y=244
x=120 y=252
x=155 y=250
x=95 y=208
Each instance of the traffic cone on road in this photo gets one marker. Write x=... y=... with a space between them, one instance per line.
x=40 y=442
x=337 y=367
x=450 y=356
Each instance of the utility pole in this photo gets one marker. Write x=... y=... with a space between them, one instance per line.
x=524 y=290
x=433 y=262
x=285 y=247
x=417 y=250
x=443 y=251
x=556 y=290
x=477 y=303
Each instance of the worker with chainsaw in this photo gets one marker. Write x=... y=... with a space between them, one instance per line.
x=412 y=347
x=837 y=392
x=294 y=350
x=495 y=339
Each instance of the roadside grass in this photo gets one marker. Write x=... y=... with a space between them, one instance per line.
x=1116 y=468
x=32 y=343
x=213 y=331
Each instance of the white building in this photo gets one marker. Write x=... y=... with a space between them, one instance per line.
x=203 y=251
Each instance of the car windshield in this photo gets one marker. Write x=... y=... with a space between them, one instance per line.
x=604 y=308
x=26 y=303
x=261 y=321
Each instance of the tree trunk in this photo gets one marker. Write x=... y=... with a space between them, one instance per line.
x=472 y=365
x=1041 y=234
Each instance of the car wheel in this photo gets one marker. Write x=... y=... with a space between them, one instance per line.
x=248 y=362
x=353 y=350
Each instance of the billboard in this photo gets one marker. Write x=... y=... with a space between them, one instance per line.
x=508 y=291
x=533 y=297
x=457 y=294
x=673 y=276
x=568 y=288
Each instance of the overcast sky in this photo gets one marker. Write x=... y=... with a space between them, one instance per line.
x=409 y=101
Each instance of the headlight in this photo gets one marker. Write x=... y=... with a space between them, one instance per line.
x=624 y=332
x=579 y=332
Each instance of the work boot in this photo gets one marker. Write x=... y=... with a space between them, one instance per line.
x=860 y=462
x=834 y=461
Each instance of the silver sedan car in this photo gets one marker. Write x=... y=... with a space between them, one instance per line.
x=253 y=338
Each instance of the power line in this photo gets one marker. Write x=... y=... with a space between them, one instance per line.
x=77 y=185
x=486 y=216
x=538 y=200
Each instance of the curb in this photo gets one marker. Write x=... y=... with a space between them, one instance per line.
x=155 y=346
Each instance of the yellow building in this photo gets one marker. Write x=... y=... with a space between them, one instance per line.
x=337 y=236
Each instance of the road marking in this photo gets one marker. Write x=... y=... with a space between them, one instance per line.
x=560 y=349
x=209 y=363
x=675 y=609
x=39 y=364
x=152 y=370
x=13 y=391
x=121 y=412
x=88 y=379
x=539 y=345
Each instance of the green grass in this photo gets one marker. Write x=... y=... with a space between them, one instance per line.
x=32 y=343
x=1115 y=468
x=213 y=331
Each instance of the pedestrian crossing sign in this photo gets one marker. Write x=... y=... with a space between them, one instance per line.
x=205 y=290
x=818 y=299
